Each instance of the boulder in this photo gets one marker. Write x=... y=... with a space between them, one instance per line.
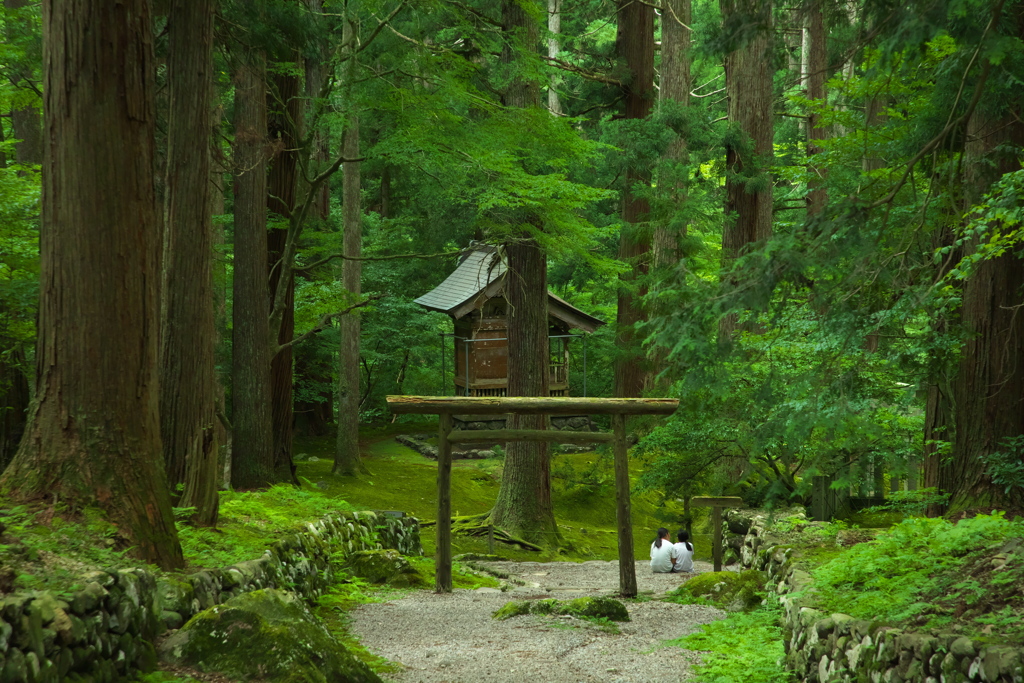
x=731 y=591
x=384 y=566
x=266 y=635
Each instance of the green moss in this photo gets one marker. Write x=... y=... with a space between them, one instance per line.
x=731 y=591
x=265 y=634
x=515 y=608
x=384 y=566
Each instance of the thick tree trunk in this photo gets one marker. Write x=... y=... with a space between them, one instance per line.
x=14 y=402
x=187 y=373
x=748 y=81
x=285 y=108
x=252 y=445
x=523 y=506
x=346 y=456
x=94 y=432
x=817 y=75
x=989 y=386
x=635 y=44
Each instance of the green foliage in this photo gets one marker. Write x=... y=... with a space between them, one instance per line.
x=252 y=520
x=732 y=591
x=1006 y=466
x=745 y=647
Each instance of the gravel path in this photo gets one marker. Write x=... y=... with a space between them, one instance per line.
x=452 y=638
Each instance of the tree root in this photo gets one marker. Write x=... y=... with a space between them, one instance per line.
x=477 y=525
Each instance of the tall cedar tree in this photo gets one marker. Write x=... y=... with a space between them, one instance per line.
x=93 y=436
x=346 y=455
x=748 y=82
x=635 y=44
x=252 y=446
x=187 y=371
x=989 y=385
x=286 y=108
x=524 y=503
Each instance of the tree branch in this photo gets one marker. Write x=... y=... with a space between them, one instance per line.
x=325 y=321
x=394 y=257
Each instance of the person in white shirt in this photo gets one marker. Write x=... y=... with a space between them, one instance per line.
x=663 y=553
x=684 y=550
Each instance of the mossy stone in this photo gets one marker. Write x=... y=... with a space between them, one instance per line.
x=588 y=607
x=731 y=591
x=511 y=609
x=265 y=635
x=384 y=566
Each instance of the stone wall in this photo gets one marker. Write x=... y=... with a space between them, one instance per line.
x=104 y=630
x=831 y=648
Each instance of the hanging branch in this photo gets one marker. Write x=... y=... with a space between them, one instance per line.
x=325 y=322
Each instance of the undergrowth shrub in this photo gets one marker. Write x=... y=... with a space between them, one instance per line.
x=925 y=571
x=745 y=647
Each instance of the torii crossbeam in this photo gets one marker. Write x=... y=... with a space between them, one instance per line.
x=446 y=406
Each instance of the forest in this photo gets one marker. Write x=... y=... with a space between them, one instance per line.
x=801 y=219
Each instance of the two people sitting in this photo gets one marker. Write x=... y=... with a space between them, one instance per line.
x=671 y=557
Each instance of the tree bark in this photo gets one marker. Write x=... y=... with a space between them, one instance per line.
x=748 y=81
x=989 y=387
x=675 y=87
x=635 y=44
x=252 y=445
x=285 y=108
x=93 y=436
x=187 y=371
x=524 y=507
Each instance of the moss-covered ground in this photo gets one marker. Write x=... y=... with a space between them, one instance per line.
x=582 y=489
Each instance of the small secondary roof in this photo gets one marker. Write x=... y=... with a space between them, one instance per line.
x=481 y=276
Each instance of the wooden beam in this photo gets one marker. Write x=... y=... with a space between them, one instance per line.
x=469 y=435
x=443 y=554
x=623 y=513
x=522 y=405
x=716 y=502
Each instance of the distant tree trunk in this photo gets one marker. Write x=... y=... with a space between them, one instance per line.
x=93 y=436
x=26 y=125
x=524 y=506
x=989 y=386
x=675 y=87
x=187 y=372
x=635 y=44
x=26 y=120
x=346 y=459
x=554 y=28
x=252 y=445
x=817 y=75
x=285 y=107
x=748 y=80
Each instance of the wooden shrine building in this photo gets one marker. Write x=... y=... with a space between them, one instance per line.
x=473 y=295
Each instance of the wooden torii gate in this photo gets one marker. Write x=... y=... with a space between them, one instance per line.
x=446 y=406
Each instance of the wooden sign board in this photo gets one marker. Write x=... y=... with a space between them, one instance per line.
x=716 y=503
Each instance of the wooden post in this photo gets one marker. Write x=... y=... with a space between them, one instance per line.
x=627 y=562
x=443 y=556
x=716 y=547
x=490 y=538
x=716 y=503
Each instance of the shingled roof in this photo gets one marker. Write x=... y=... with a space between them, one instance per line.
x=481 y=276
